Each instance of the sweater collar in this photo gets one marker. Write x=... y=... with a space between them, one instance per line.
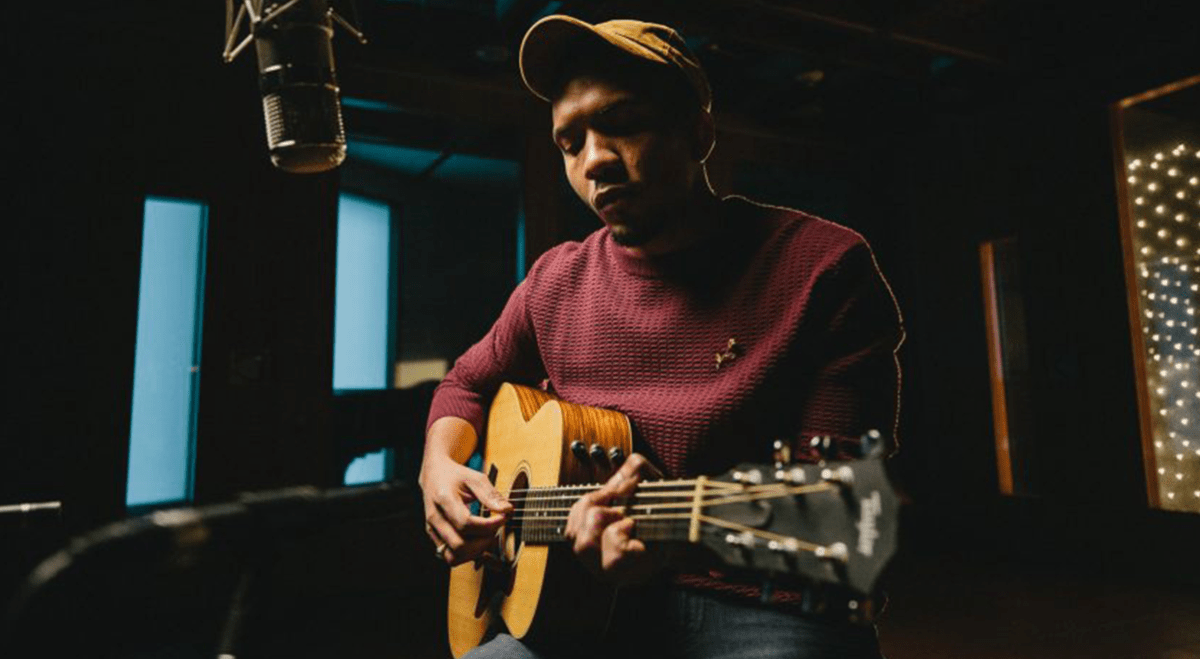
x=729 y=239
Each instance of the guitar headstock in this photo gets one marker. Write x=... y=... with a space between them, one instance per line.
x=832 y=522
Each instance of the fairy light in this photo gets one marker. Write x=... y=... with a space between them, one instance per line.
x=1162 y=186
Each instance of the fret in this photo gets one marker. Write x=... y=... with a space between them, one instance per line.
x=658 y=515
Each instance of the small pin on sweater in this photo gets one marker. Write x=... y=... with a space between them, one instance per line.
x=730 y=353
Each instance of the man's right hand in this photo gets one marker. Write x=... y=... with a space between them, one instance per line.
x=449 y=488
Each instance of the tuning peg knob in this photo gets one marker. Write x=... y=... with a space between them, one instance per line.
x=823 y=445
x=579 y=449
x=597 y=453
x=795 y=476
x=616 y=456
x=752 y=476
x=871 y=444
x=842 y=475
x=743 y=539
x=783 y=452
x=835 y=552
x=787 y=545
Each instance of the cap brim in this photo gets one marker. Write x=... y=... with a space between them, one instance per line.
x=547 y=42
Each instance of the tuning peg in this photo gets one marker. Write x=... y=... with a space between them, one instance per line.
x=871 y=444
x=783 y=452
x=842 y=475
x=835 y=552
x=752 y=476
x=795 y=475
x=579 y=449
x=743 y=539
x=788 y=546
x=597 y=453
x=616 y=456
x=823 y=445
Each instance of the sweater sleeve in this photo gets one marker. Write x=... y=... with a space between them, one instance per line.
x=507 y=353
x=856 y=380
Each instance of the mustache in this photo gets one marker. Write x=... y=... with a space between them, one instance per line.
x=612 y=193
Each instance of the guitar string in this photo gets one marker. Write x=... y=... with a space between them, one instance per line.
x=647 y=484
x=753 y=496
x=734 y=526
x=534 y=522
x=552 y=493
x=649 y=527
x=801 y=545
x=773 y=491
x=678 y=494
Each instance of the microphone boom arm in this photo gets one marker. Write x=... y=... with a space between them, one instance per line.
x=233 y=24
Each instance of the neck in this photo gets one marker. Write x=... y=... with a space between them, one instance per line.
x=695 y=219
x=663 y=514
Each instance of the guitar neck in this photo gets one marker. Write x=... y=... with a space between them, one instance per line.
x=663 y=511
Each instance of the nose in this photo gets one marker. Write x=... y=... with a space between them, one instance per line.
x=601 y=161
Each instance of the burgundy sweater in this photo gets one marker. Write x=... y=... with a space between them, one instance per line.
x=814 y=323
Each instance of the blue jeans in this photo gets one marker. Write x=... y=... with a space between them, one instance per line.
x=679 y=623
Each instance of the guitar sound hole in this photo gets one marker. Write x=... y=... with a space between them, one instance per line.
x=515 y=531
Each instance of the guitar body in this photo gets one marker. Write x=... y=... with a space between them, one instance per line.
x=528 y=444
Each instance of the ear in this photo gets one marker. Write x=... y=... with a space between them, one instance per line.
x=704 y=136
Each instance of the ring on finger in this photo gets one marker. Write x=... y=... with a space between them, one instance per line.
x=441 y=549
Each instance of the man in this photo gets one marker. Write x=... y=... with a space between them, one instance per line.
x=714 y=324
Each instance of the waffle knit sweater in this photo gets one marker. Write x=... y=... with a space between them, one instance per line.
x=815 y=328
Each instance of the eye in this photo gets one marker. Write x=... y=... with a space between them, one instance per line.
x=569 y=144
x=625 y=119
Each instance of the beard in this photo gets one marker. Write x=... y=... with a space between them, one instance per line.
x=638 y=232
x=627 y=236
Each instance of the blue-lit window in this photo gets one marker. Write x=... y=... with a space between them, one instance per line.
x=362 y=329
x=166 y=372
x=370 y=468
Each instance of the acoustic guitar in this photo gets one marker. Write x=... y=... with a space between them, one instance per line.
x=824 y=523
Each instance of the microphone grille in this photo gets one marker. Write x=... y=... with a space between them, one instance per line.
x=304 y=126
x=273 y=112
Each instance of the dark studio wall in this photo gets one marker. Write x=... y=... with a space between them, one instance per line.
x=107 y=116
x=433 y=213
x=108 y=112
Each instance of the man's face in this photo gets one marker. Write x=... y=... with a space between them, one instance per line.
x=630 y=164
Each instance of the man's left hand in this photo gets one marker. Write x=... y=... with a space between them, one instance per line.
x=603 y=534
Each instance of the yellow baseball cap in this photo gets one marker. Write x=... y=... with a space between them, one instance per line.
x=549 y=39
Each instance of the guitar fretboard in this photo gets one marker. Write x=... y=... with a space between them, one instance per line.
x=661 y=514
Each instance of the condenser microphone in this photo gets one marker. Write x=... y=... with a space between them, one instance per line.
x=297 y=79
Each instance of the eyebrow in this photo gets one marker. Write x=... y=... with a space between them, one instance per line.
x=557 y=133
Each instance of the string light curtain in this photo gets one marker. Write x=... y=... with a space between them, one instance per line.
x=1161 y=194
